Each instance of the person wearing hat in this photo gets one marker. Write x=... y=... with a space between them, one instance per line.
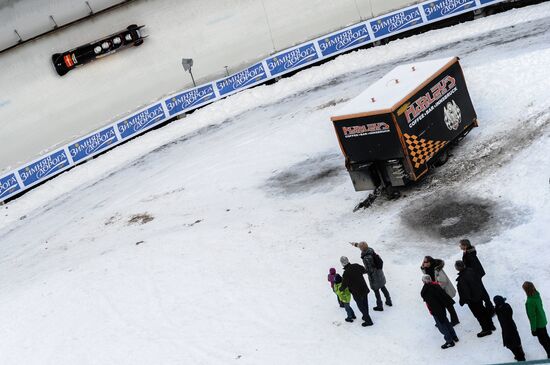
x=434 y=268
x=344 y=298
x=471 y=291
x=353 y=280
x=330 y=277
x=470 y=259
x=510 y=335
x=536 y=315
x=377 y=279
x=437 y=300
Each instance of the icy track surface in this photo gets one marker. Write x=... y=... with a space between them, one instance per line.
x=208 y=241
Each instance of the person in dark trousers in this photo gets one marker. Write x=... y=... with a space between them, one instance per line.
x=345 y=298
x=536 y=315
x=353 y=280
x=330 y=277
x=434 y=268
x=469 y=257
x=377 y=279
x=510 y=335
x=437 y=300
x=470 y=291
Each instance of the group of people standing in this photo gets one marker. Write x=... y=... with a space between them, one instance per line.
x=352 y=283
x=438 y=292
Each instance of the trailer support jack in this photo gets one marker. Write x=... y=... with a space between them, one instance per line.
x=390 y=192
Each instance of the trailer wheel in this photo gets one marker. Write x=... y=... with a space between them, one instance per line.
x=442 y=158
x=392 y=193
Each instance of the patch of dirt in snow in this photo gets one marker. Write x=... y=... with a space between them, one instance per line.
x=112 y=220
x=456 y=216
x=330 y=103
x=307 y=175
x=140 y=218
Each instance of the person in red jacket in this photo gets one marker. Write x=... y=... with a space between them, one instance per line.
x=330 y=277
x=437 y=300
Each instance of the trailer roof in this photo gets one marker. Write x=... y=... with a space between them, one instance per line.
x=397 y=85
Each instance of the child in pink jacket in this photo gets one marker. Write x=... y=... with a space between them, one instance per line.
x=330 y=278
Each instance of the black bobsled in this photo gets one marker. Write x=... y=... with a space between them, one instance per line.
x=66 y=61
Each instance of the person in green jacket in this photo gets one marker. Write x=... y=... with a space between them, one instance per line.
x=536 y=315
x=344 y=296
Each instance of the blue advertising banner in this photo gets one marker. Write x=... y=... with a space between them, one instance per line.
x=45 y=167
x=339 y=42
x=396 y=22
x=92 y=144
x=292 y=59
x=242 y=79
x=483 y=2
x=8 y=185
x=442 y=8
x=190 y=98
x=141 y=120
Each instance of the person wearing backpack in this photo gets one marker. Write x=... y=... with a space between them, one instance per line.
x=373 y=265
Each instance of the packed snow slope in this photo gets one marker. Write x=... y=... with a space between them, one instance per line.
x=208 y=241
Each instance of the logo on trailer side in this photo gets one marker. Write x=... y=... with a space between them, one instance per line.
x=453 y=115
x=425 y=104
x=365 y=129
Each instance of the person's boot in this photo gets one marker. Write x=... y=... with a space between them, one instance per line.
x=367 y=322
x=350 y=320
x=378 y=308
x=446 y=345
x=484 y=333
x=389 y=303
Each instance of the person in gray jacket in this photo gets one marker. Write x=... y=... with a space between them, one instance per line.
x=434 y=268
x=377 y=279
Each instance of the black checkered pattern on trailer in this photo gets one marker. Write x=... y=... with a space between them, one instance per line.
x=421 y=150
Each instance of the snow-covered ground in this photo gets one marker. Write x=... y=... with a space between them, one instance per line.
x=208 y=241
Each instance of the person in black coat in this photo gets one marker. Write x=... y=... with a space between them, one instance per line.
x=353 y=279
x=470 y=259
x=510 y=335
x=437 y=300
x=471 y=291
